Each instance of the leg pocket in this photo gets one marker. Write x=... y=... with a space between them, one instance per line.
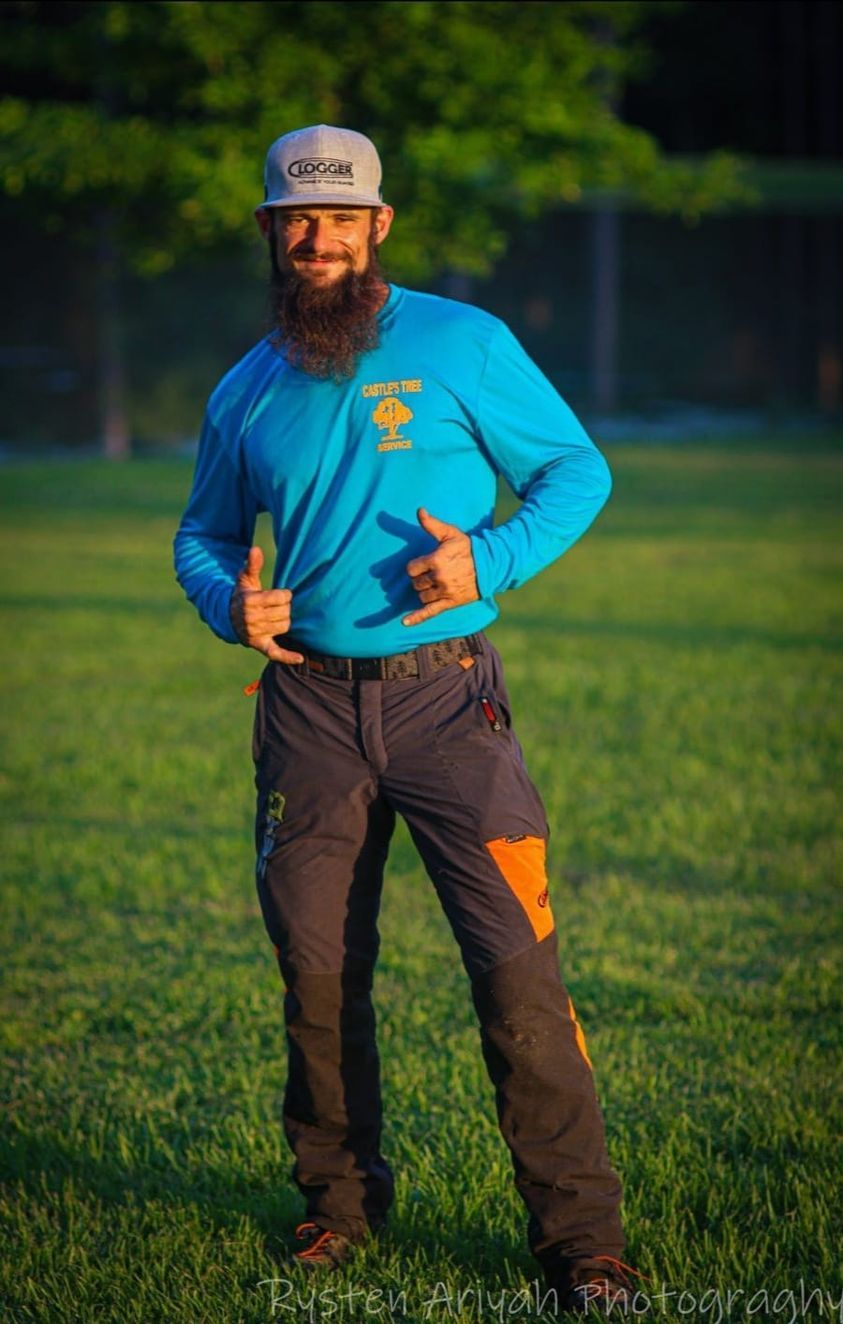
x=522 y=862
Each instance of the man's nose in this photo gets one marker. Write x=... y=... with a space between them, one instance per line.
x=319 y=232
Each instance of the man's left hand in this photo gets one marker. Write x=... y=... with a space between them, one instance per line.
x=445 y=578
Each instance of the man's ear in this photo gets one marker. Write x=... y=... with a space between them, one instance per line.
x=263 y=216
x=381 y=222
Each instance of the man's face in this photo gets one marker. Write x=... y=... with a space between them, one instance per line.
x=322 y=244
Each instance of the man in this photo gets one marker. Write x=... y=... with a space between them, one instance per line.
x=373 y=423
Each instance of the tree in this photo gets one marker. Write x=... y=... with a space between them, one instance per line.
x=147 y=123
x=389 y=416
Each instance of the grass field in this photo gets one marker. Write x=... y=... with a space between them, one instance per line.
x=676 y=682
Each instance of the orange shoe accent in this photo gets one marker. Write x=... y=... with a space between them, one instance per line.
x=522 y=863
x=600 y=1285
x=316 y=1247
x=252 y=688
x=622 y=1269
x=324 y=1246
x=580 y=1038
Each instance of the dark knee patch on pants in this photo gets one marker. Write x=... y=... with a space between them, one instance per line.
x=332 y=1103
x=525 y=1001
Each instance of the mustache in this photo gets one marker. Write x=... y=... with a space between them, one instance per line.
x=318 y=255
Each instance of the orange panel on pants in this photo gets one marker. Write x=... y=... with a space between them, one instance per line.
x=521 y=860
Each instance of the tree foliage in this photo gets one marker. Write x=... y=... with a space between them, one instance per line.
x=484 y=113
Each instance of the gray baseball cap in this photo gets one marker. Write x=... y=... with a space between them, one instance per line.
x=322 y=165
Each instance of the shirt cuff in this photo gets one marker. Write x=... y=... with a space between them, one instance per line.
x=488 y=562
x=218 y=616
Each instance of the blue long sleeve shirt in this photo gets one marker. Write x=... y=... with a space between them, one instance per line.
x=447 y=401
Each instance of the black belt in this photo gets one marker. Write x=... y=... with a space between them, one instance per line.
x=398 y=666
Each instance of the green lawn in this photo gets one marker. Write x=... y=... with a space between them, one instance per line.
x=676 y=685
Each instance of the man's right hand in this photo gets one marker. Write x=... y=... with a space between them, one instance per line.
x=259 y=614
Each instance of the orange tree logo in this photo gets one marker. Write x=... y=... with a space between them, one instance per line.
x=389 y=416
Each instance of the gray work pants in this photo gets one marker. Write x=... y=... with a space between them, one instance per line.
x=336 y=760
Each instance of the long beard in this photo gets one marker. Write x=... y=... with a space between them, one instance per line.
x=324 y=330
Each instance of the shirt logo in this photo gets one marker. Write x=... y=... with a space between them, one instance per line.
x=389 y=415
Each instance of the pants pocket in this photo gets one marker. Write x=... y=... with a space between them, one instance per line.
x=522 y=862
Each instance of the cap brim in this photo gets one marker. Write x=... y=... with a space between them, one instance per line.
x=322 y=199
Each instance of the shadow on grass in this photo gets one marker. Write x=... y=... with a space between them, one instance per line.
x=92 y=602
x=39 y=1166
x=123 y=828
x=697 y=635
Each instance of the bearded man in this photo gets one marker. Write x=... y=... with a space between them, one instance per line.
x=373 y=423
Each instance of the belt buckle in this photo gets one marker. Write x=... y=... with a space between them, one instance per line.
x=368 y=668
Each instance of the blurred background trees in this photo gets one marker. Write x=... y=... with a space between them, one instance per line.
x=132 y=138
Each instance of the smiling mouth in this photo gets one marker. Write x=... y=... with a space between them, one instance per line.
x=318 y=259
